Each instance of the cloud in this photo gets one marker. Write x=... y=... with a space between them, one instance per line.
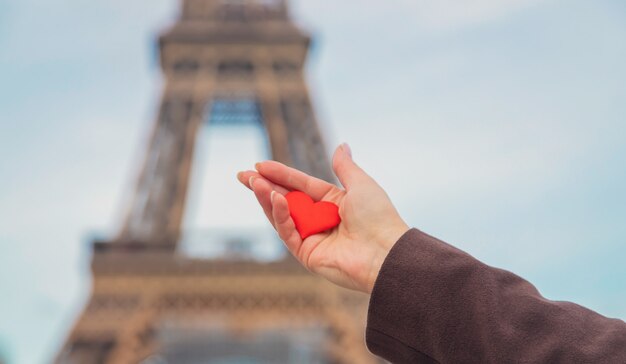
x=430 y=15
x=488 y=137
x=455 y=14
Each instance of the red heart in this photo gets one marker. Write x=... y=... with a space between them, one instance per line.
x=311 y=217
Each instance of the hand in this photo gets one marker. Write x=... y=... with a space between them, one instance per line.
x=352 y=253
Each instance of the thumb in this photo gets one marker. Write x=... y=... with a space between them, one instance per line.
x=347 y=171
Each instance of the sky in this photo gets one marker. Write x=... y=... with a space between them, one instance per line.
x=497 y=126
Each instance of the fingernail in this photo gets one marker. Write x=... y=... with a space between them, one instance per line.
x=347 y=149
x=250 y=181
x=272 y=196
x=257 y=165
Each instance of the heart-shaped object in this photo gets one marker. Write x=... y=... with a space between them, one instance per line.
x=311 y=217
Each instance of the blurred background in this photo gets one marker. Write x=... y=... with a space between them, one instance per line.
x=497 y=126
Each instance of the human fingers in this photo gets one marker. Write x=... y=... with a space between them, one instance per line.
x=262 y=190
x=294 y=179
x=348 y=172
x=284 y=224
x=244 y=178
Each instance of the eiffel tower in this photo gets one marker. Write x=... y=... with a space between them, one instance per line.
x=222 y=61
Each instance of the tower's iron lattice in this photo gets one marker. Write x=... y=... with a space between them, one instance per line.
x=148 y=303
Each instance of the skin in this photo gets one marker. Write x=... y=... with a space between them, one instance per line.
x=351 y=254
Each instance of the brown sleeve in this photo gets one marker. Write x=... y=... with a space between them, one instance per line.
x=433 y=303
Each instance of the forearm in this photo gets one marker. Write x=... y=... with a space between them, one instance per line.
x=434 y=303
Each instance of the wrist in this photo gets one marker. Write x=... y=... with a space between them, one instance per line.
x=384 y=242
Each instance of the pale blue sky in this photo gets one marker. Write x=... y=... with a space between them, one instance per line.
x=499 y=126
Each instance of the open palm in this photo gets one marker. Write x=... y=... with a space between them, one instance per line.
x=349 y=255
